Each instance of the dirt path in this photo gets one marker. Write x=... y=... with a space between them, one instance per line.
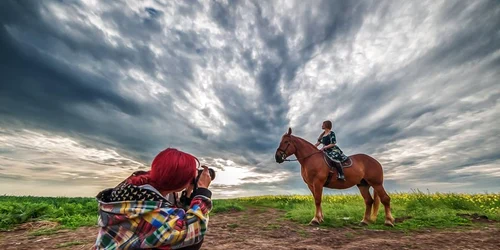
x=265 y=229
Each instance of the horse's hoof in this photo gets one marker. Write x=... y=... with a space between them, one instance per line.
x=363 y=223
x=314 y=223
x=388 y=223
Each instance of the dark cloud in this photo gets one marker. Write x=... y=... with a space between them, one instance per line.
x=41 y=169
x=224 y=14
x=471 y=43
x=13 y=177
x=33 y=78
x=44 y=91
x=251 y=178
x=40 y=92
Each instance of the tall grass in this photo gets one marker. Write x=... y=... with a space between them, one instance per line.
x=70 y=212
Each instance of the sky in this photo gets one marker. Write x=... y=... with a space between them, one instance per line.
x=91 y=91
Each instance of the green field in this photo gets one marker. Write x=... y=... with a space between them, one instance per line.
x=419 y=210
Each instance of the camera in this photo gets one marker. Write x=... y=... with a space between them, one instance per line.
x=210 y=171
x=184 y=199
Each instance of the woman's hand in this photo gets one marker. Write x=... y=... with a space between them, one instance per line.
x=189 y=190
x=205 y=178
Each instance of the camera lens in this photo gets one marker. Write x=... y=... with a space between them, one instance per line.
x=210 y=171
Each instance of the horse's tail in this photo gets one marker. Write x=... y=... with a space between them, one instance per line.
x=375 y=206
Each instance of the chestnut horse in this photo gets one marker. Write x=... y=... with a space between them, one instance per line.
x=365 y=172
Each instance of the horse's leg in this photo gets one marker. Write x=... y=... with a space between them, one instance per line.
x=365 y=192
x=386 y=200
x=376 y=205
x=313 y=221
x=317 y=193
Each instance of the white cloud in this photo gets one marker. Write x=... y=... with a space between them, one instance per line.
x=39 y=156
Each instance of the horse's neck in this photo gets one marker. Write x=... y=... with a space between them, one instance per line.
x=304 y=148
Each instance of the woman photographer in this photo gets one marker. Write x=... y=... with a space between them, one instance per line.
x=136 y=215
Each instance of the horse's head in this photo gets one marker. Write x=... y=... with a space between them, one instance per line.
x=286 y=147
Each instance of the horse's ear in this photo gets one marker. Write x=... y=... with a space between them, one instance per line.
x=289 y=131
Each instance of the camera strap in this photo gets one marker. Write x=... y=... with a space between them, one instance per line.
x=195 y=185
x=186 y=200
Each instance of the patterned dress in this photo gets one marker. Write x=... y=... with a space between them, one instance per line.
x=334 y=152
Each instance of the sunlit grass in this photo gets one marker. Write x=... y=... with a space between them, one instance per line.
x=69 y=212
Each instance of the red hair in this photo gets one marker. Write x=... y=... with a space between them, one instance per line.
x=171 y=170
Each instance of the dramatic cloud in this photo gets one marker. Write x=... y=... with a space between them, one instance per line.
x=93 y=90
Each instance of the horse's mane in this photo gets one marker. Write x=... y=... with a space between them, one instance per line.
x=305 y=142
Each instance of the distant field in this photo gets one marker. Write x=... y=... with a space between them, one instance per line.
x=412 y=210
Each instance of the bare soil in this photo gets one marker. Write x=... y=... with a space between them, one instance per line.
x=266 y=229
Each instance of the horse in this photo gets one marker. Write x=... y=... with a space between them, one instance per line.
x=365 y=172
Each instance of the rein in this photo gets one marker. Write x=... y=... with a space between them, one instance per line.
x=284 y=152
x=303 y=157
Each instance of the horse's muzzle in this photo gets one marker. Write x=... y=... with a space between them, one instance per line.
x=279 y=157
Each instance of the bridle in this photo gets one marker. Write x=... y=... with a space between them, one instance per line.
x=283 y=153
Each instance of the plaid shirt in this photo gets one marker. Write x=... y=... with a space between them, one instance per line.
x=134 y=217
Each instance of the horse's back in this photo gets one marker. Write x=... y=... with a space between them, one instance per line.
x=372 y=169
x=364 y=158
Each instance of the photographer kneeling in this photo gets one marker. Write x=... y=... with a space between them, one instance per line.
x=137 y=215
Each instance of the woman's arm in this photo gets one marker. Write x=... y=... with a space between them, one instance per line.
x=189 y=228
x=329 y=146
x=184 y=229
x=319 y=139
x=196 y=221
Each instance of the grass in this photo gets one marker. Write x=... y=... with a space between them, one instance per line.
x=44 y=231
x=233 y=225
x=69 y=212
x=349 y=235
x=272 y=227
x=303 y=233
x=220 y=206
x=421 y=210
x=69 y=244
